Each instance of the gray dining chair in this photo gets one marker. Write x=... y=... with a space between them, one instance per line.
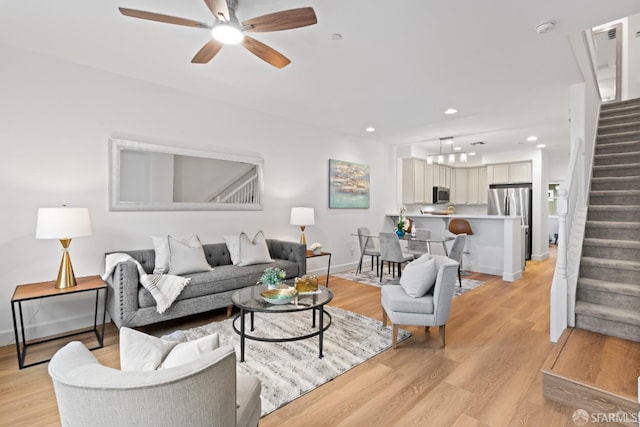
x=420 y=245
x=367 y=248
x=391 y=251
x=456 y=253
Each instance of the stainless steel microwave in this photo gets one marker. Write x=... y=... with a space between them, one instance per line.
x=441 y=195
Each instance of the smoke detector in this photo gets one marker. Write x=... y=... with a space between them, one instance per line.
x=545 y=26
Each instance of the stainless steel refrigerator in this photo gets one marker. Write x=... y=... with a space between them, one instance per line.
x=513 y=199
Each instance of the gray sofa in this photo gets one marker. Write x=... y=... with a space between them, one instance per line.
x=130 y=304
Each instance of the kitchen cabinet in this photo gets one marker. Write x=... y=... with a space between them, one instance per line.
x=510 y=173
x=483 y=186
x=441 y=176
x=413 y=181
x=460 y=189
x=428 y=184
x=472 y=186
x=519 y=172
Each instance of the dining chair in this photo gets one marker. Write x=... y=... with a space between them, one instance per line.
x=456 y=252
x=420 y=245
x=391 y=251
x=367 y=247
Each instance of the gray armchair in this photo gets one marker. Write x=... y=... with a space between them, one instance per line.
x=206 y=392
x=391 y=251
x=430 y=310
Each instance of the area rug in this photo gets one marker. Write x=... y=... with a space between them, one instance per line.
x=290 y=369
x=369 y=277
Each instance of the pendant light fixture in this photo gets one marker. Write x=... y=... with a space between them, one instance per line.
x=451 y=156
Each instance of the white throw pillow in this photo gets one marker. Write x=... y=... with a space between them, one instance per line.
x=253 y=251
x=187 y=257
x=161 y=249
x=142 y=352
x=233 y=246
x=418 y=277
x=187 y=352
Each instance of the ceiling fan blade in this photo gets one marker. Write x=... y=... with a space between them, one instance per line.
x=284 y=20
x=266 y=53
x=218 y=7
x=207 y=52
x=151 y=16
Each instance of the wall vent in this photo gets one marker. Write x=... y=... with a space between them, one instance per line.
x=611 y=34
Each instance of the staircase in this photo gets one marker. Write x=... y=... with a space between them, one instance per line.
x=608 y=292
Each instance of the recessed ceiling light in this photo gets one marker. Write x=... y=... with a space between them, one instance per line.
x=545 y=26
x=473 y=153
x=450 y=111
x=370 y=129
x=541 y=145
x=457 y=148
x=532 y=138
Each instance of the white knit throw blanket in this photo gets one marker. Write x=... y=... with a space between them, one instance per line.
x=164 y=288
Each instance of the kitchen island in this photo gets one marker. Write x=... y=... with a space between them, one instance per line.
x=495 y=247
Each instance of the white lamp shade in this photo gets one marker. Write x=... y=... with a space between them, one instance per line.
x=63 y=223
x=302 y=216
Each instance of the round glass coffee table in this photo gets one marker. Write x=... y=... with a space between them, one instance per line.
x=249 y=300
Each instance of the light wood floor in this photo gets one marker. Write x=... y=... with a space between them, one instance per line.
x=487 y=375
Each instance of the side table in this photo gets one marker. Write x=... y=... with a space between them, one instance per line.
x=310 y=254
x=42 y=290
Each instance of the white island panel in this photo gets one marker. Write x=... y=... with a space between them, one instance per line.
x=495 y=247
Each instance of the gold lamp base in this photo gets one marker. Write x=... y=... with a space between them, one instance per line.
x=66 y=278
x=303 y=239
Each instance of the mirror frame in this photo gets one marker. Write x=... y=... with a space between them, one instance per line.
x=116 y=146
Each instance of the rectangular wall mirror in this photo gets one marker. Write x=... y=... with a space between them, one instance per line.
x=151 y=177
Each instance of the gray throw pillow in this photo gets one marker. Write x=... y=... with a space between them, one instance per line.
x=161 y=249
x=253 y=251
x=187 y=257
x=419 y=276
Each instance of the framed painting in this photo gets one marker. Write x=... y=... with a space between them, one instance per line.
x=348 y=185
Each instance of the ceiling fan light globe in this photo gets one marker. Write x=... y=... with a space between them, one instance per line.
x=227 y=34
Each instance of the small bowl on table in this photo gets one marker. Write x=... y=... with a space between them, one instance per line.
x=279 y=296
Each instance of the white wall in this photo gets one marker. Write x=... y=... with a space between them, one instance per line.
x=57 y=118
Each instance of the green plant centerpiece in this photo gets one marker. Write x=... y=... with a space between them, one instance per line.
x=272 y=277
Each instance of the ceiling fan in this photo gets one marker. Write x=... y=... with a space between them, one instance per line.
x=227 y=30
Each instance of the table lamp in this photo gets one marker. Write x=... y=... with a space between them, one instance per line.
x=302 y=217
x=63 y=223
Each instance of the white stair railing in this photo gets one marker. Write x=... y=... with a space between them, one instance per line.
x=247 y=192
x=571 y=209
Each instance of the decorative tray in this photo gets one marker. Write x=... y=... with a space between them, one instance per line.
x=279 y=296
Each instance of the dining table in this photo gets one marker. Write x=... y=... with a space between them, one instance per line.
x=408 y=237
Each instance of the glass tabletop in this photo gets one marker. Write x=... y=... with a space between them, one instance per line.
x=250 y=299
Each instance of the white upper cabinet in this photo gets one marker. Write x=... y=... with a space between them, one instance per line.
x=460 y=188
x=483 y=186
x=428 y=184
x=512 y=173
x=472 y=186
x=413 y=181
x=519 y=172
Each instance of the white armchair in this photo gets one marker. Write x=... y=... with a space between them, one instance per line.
x=205 y=392
x=429 y=310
